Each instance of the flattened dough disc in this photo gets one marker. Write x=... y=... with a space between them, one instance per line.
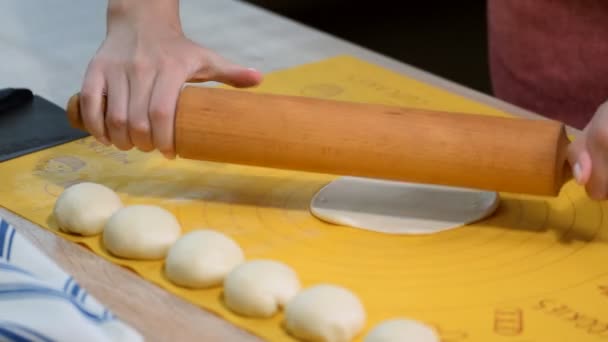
x=400 y=208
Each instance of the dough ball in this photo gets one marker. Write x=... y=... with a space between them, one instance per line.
x=401 y=330
x=143 y=232
x=85 y=208
x=326 y=313
x=259 y=288
x=202 y=258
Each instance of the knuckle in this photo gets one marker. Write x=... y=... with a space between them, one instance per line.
x=139 y=65
x=207 y=71
x=169 y=64
x=113 y=63
x=115 y=121
x=139 y=127
x=96 y=65
x=86 y=95
x=160 y=114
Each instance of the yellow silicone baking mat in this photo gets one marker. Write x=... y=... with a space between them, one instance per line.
x=537 y=270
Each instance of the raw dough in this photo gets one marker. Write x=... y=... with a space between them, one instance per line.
x=84 y=208
x=259 y=288
x=202 y=258
x=400 y=208
x=143 y=232
x=401 y=330
x=325 y=313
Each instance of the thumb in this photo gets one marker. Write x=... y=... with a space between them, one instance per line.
x=580 y=160
x=216 y=68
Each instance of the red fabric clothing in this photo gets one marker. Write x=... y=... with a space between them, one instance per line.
x=550 y=56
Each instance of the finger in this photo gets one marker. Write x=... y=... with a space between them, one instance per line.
x=76 y=122
x=141 y=83
x=597 y=185
x=213 y=67
x=73 y=112
x=91 y=112
x=116 y=115
x=580 y=160
x=162 y=111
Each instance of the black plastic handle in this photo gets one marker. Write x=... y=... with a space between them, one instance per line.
x=11 y=98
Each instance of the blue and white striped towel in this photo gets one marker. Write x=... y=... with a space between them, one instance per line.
x=40 y=302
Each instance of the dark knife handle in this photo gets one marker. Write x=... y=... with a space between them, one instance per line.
x=11 y=98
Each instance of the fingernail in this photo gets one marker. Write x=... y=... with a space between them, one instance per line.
x=104 y=141
x=169 y=155
x=252 y=69
x=577 y=173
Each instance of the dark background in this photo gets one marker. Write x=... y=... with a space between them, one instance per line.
x=447 y=38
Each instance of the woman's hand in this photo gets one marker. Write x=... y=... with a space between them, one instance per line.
x=141 y=67
x=588 y=155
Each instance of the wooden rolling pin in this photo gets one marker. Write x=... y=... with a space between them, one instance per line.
x=370 y=140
